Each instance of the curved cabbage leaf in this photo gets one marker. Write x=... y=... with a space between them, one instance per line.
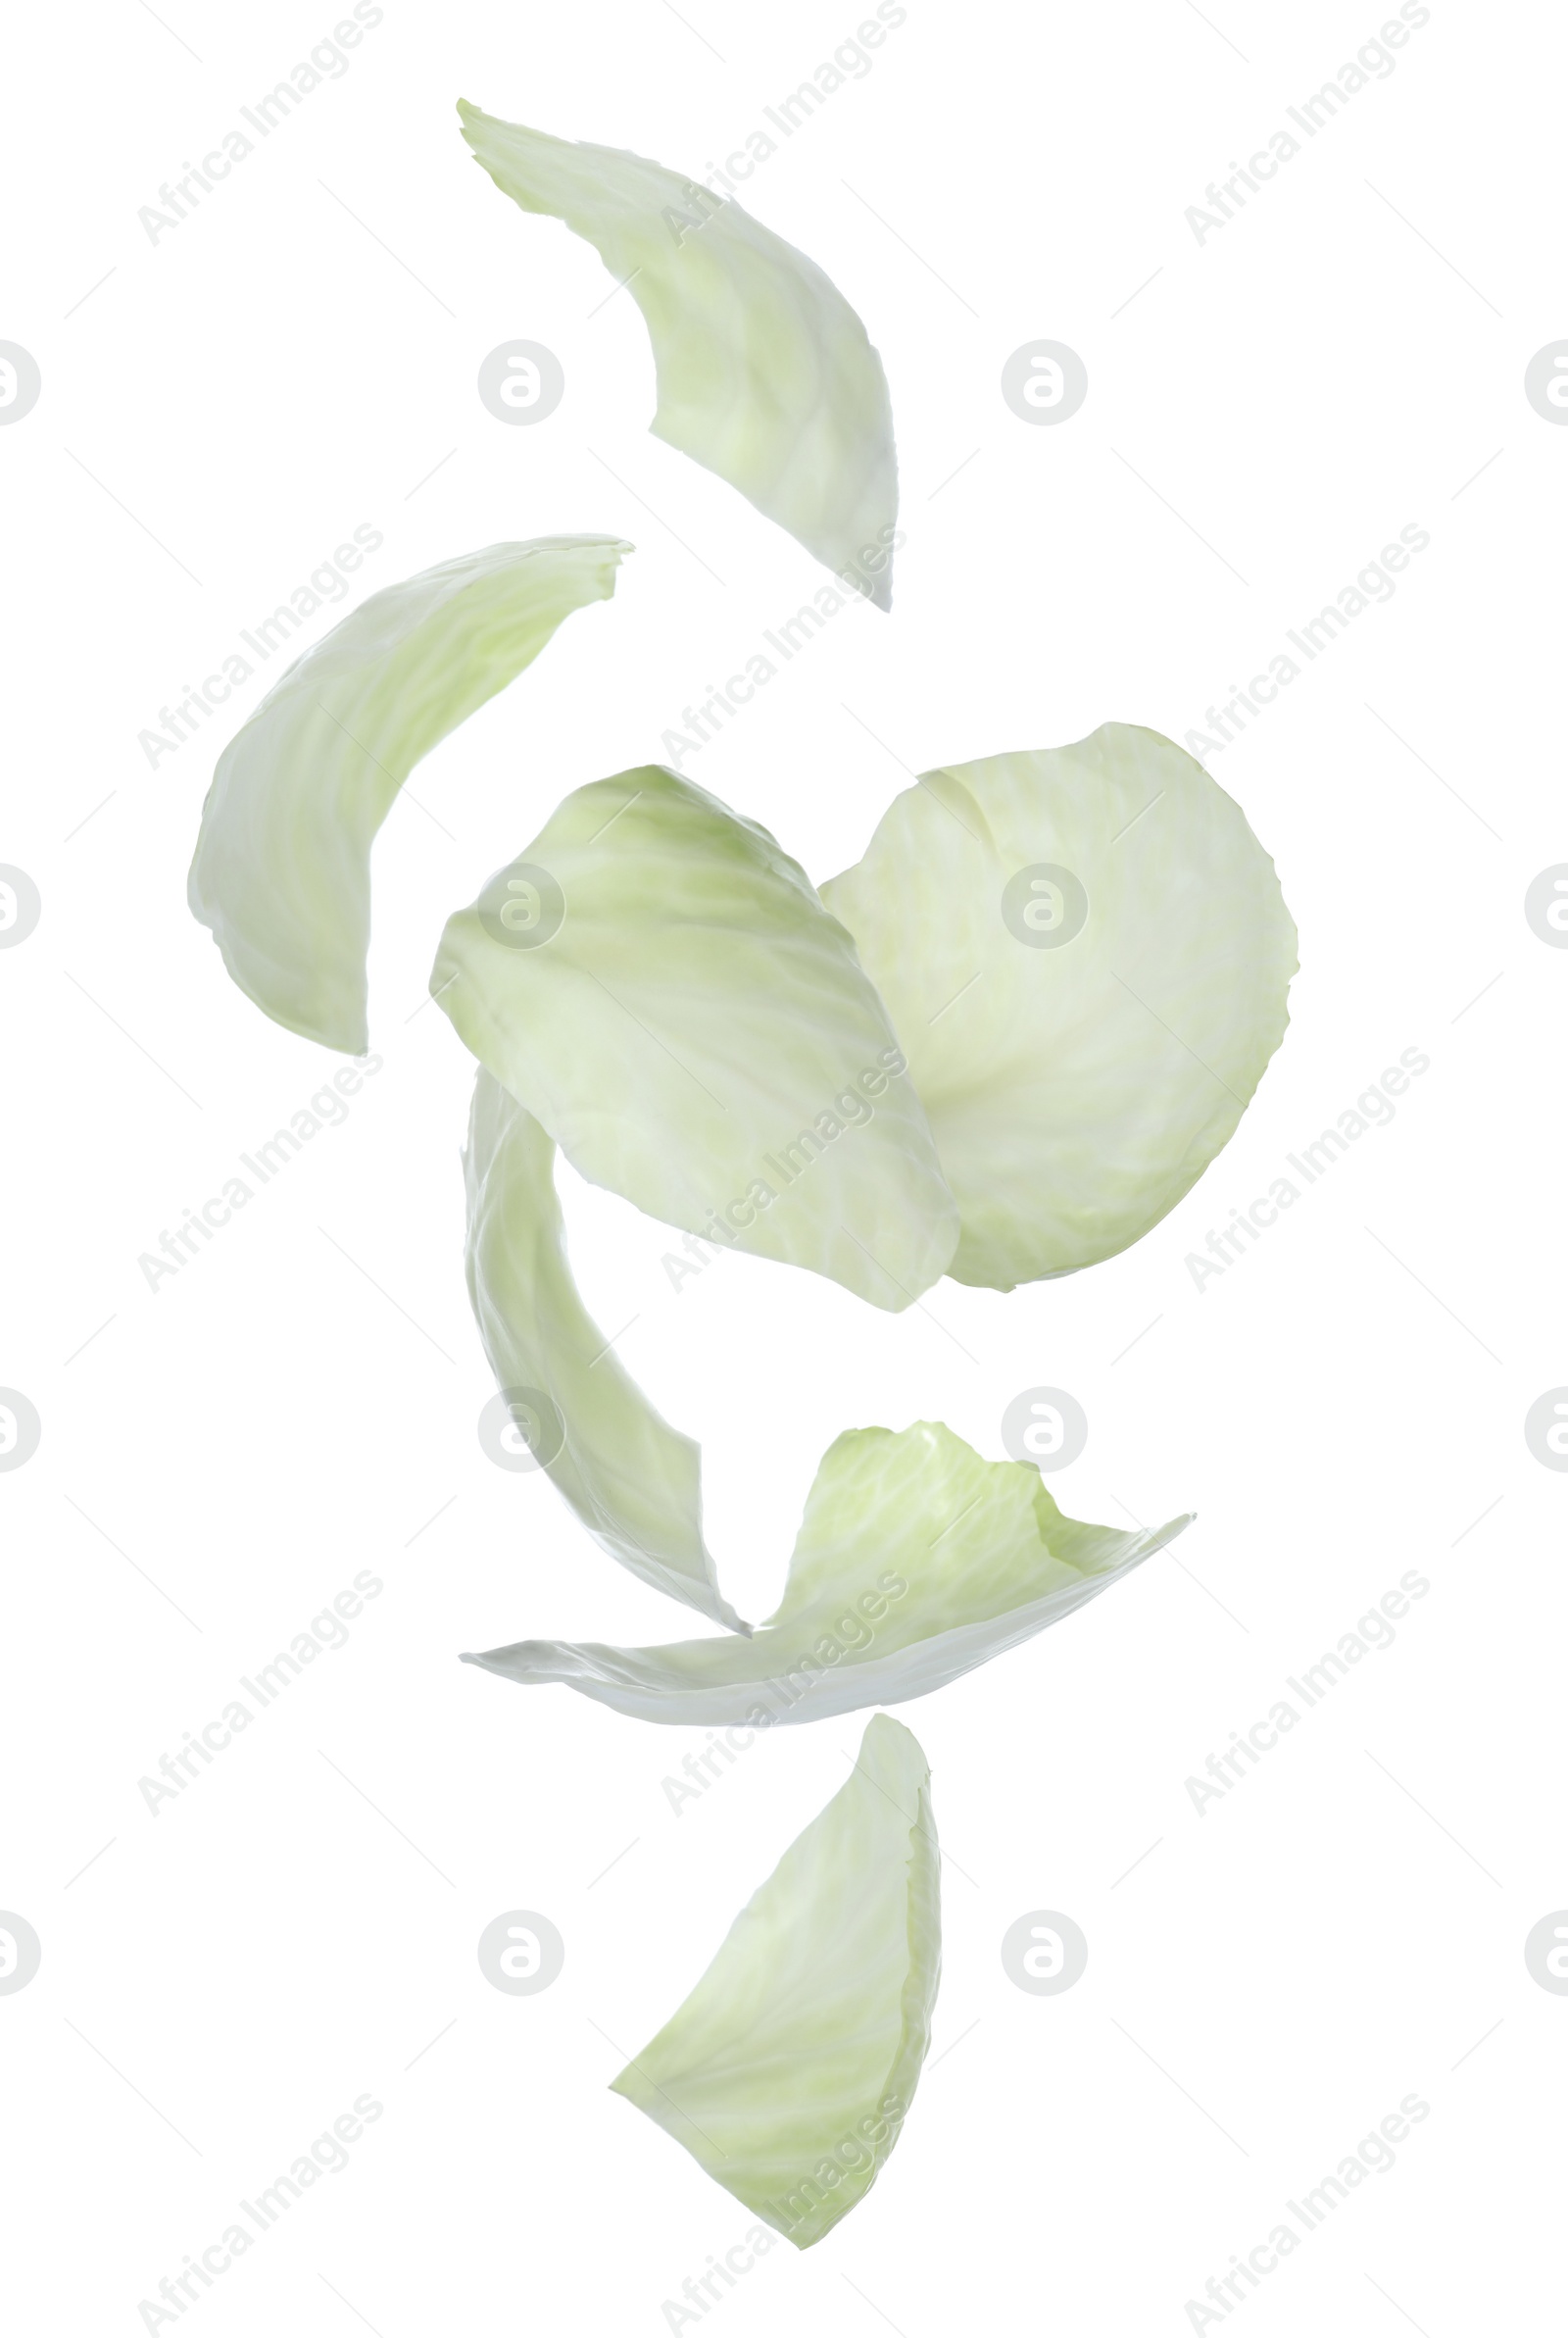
x=915 y=1561
x=282 y=865
x=661 y=986
x=1084 y=953
x=632 y=1479
x=765 y=374
x=790 y=2069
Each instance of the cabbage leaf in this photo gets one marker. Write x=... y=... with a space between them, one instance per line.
x=632 y=1479
x=789 y=2071
x=765 y=374
x=1085 y=955
x=915 y=1561
x=282 y=865
x=659 y=986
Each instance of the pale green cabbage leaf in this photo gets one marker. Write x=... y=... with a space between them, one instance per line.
x=1077 y=1077
x=659 y=986
x=790 y=2069
x=632 y=1479
x=282 y=865
x=765 y=374
x=915 y=1561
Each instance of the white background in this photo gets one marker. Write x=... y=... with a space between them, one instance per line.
x=221 y=1457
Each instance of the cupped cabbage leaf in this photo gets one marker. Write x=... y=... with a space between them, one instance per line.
x=790 y=2069
x=282 y=865
x=765 y=374
x=1085 y=955
x=659 y=986
x=915 y=1561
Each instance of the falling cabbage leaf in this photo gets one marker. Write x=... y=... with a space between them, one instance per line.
x=659 y=986
x=1084 y=953
x=765 y=374
x=632 y=1479
x=282 y=865
x=790 y=2069
x=915 y=1561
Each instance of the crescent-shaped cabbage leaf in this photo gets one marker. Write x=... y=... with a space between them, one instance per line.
x=632 y=1479
x=282 y=865
x=766 y=373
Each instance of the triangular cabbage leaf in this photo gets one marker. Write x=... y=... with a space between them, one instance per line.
x=790 y=2069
